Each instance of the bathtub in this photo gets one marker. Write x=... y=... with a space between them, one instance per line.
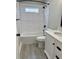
x=24 y=40
x=28 y=39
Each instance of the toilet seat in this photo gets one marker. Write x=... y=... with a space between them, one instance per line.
x=41 y=38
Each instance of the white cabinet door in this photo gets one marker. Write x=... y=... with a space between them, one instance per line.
x=49 y=46
x=58 y=49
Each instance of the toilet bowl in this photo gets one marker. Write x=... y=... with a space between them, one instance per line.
x=41 y=42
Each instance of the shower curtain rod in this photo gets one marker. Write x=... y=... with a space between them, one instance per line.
x=38 y=1
x=41 y=2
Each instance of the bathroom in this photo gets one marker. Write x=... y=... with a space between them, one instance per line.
x=39 y=29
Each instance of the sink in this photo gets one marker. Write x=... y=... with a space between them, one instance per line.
x=58 y=34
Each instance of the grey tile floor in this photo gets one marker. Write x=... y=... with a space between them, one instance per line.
x=32 y=52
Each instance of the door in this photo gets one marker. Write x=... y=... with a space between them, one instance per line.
x=31 y=18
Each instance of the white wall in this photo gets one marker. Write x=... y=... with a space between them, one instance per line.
x=55 y=10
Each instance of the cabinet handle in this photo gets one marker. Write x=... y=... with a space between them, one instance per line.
x=59 y=48
x=57 y=57
x=53 y=43
x=17 y=34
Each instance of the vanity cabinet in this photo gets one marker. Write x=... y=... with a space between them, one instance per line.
x=53 y=47
x=50 y=46
x=58 y=49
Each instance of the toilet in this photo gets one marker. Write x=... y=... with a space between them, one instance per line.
x=41 y=42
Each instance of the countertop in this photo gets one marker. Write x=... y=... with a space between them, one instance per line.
x=52 y=33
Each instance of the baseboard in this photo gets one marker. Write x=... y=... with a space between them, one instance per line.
x=47 y=54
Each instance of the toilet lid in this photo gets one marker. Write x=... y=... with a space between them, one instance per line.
x=41 y=38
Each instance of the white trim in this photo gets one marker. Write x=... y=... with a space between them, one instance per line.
x=47 y=54
x=20 y=47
